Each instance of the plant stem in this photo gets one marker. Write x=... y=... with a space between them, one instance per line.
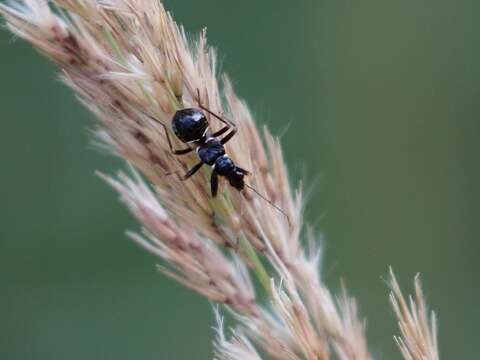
x=259 y=269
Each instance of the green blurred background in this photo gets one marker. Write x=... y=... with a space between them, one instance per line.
x=380 y=99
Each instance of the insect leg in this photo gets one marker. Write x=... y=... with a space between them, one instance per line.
x=214 y=183
x=193 y=170
x=174 y=151
x=225 y=121
x=228 y=136
x=221 y=131
x=245 y=172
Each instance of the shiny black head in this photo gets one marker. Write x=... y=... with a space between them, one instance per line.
x=224 y=166
x=189 y=124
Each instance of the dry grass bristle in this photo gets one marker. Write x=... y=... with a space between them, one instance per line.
x=419 y=328
x=237 y=347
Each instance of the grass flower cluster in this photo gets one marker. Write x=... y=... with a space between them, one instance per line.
x=129 y=63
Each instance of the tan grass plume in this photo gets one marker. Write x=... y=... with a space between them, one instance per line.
x=130 y=63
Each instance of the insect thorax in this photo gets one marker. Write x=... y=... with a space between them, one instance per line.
x=210 y=151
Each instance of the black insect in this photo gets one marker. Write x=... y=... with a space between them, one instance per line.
x=191 y=126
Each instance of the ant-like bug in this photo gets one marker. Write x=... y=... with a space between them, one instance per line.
x=191 y=126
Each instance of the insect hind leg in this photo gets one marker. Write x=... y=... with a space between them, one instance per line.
x=189 y=173
x=193 y=170
x=214 y=183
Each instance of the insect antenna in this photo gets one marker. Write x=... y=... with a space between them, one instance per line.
x=271 y=203
x=203 y=107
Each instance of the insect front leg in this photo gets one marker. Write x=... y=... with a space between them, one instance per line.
x=221 y=131
x=174 y=151
x=228 y=136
